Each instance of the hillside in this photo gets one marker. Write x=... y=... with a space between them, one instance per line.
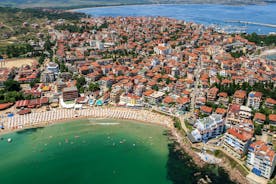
x=84 y=3
x=21 y=25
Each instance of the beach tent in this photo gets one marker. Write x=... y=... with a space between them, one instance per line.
x=91 y=102
x=99 y=103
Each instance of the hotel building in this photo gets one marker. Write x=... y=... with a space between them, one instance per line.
x=208 y=128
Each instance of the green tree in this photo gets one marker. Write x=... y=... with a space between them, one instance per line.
x=155 y=87
x=94 y=87
x=63 y=67
x=11 y=85
x=258 y=129
x=80 y=83
x=41 y=59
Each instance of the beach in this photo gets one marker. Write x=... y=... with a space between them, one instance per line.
x=40 y=119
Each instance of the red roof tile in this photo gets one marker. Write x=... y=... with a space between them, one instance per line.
x=241 y=134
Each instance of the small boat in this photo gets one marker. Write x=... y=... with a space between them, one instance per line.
x=9 y=140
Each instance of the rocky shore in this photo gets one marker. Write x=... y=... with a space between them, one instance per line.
x=184 y=145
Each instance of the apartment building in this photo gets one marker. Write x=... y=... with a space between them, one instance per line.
x=237 y=140
x=254 y=100
x=212 y=94
x=53 y=67
x=70 y=93
x=261 y=159
x=208 y=128
x=239 y=97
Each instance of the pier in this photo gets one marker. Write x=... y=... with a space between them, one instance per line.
x=252 y=23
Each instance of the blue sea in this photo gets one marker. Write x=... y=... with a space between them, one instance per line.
x=220 y=16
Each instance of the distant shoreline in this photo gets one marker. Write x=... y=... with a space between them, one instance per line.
x=72 y=9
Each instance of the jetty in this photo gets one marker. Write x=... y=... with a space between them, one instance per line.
x=252 y=23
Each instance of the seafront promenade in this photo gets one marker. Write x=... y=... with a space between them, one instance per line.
x=49 y=117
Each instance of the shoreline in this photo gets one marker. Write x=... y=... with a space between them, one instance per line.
x=185 y=146
x=44 y=123
x=150 y=4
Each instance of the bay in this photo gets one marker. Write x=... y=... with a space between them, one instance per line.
x=98 y=151
x=208 y=14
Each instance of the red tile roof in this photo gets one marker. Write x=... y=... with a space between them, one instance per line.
x=223 y=94
x=148 y=93
x=272 y=117
x=262 y=149
x=24 y=111
x=168 y=100
x=22 y=103
x=5 y=106
x=259 y=116
x=270 y=100
x=240 y=94
x=221 y=111
x=206 y=109
x=183 y=100
x=240 y=133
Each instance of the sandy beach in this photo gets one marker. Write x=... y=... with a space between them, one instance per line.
x=40 y=119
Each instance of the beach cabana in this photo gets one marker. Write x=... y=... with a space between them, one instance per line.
x=99 y=103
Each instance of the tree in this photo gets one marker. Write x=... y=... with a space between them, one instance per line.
x=63 y=67
x=41 y=59
x=80 y=83
x=258 y=129
x=32 y=83
x=12 y=85
x=155 y=87
x=94 y=87
x=168 y=81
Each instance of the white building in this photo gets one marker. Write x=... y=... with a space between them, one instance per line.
x=261 y=159
x=131 y=100
x=47 y=76
x=53 y=67
x=245 y=112
x=254 y=100
x=237 y=140
x=163 y=49
x=208 y=128
x=156 y=97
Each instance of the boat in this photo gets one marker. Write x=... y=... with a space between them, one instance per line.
x=9 y=140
